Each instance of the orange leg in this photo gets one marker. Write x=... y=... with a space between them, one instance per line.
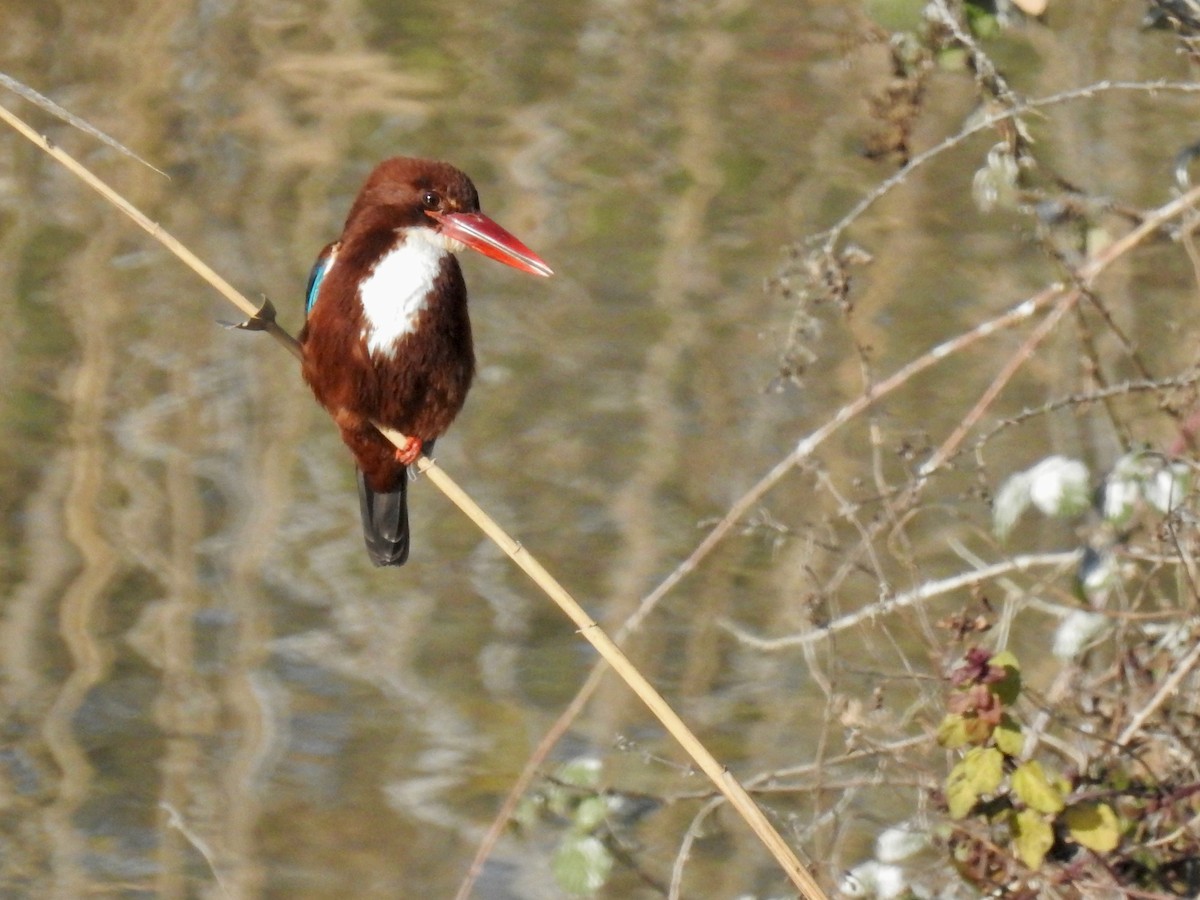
x=407 y=455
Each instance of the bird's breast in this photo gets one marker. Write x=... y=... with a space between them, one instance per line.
x=389 y=337
x=395 y=293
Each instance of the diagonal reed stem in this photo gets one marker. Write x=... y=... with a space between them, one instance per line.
x=725 y=782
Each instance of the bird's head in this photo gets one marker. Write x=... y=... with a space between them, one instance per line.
x=436 y=202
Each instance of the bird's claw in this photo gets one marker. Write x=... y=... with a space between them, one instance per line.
x=410 y=452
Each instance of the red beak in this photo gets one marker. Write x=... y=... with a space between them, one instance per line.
x=480 y=233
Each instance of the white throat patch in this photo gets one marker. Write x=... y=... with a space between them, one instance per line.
x=394 y=294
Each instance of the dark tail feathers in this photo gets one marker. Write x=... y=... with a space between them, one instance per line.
x=385 y=522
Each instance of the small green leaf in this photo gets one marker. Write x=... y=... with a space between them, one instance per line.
x=1093 y=825
x=526 y=815
x=979 y=772
x=954 y=59
x=1009 y=739
x=582 y=771
x=1006 y=659
x=1009 y=687
x=1034 y=789
x=1033 y=837
x=581 y=864
x=590 y=812
x=558 y=800
x=984 y=25
x=952 y=733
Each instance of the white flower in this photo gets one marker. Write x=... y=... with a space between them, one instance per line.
x=1168 y=487
x=1121 y=494
x=1077 y=631
x=900 y=842
x=1059 y=486
x=874 y=879
x=1011 y=500
x=995 y=185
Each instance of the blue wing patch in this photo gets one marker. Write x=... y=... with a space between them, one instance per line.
x=319 y=270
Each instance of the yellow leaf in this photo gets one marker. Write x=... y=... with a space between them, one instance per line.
x=952 y=733
x=1006 y=659
x=1033 y=837
x=1093 y=825
x=976 y=730
x=1009 y=739
x=1034 y=789
x=979 y=772
x=988 y=768
x=961 y=795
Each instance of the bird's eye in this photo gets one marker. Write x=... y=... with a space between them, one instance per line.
x=431 y=200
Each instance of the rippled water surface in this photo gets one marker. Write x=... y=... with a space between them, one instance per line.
x=207 y=690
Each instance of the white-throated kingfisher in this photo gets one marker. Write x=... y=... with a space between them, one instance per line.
x=387 y=338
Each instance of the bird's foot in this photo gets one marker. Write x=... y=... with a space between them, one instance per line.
x=407 y=455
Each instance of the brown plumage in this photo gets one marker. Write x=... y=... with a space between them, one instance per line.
x=388 y=338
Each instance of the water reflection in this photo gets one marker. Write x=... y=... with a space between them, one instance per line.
x=208 y=691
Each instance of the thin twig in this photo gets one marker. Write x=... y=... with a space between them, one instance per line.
x=690 y=836
x=156 y=231
x=834 y=234
x=928 y=590
x=1083 y=398
x=965 y=425
x=1168 y=687
x=986 y=73
x=175 y=820
x=71 y=119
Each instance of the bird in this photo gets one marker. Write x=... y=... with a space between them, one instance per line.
x=387 y=338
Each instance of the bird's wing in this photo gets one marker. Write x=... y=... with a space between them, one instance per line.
x=317 y=275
